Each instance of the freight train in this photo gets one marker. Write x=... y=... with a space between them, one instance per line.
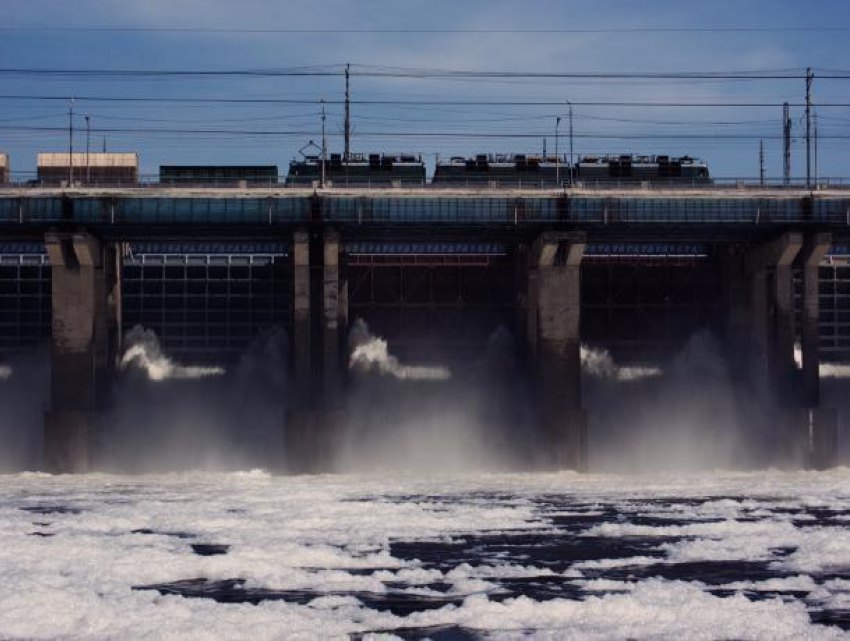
x=383 y=170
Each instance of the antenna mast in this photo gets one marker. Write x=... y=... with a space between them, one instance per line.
x=347 y=149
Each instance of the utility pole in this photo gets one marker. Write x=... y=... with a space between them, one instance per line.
x=324 y=144
x=347 y=149
x=809 y=77
x=88 y=143
x=761 y=163
x=815 y=118
x=71 y=142
x=786 y=145
x=571 y=143
x=557 y=157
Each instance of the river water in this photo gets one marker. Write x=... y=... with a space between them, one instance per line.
x=761 y=555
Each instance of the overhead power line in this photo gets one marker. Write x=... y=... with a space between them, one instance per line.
x=427 y=30
x=411 y=103
x=392 y=72
x=412 y=134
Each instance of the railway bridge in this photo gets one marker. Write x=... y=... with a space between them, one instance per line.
x=633 y=270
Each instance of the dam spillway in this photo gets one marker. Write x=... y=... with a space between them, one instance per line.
x=633 y=270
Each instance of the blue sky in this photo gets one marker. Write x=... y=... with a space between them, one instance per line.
x=607 y=52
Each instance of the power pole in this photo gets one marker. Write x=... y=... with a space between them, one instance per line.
x=786 y=145
x=71 y=143
x=761 y=163
x=324 y=144
x=809 y=77
x=571 y=143
x=815 y=118
x=347 y=149
x=88 y=143
x=557 y=157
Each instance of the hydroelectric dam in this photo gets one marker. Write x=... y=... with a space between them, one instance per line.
x=633 y=270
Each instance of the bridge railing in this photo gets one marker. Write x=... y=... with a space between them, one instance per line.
x=406 y=209
x=151 y=183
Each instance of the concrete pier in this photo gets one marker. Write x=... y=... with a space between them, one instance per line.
x=301 y=335
x=821 y=434
x=331 y=312
x=554 y=305
x=780 y=399
x=334 y=354
x=85 y=340
x=316 y=421
x=768 y=268
x=300 y=418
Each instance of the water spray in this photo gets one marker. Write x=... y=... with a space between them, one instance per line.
x=371 y=354
x=145 y=353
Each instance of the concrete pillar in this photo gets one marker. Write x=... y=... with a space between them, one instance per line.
x=821 y=433
x=301 y=335
x=771 y=354
x=330 y=320
x=85 y=300
x=335 y=309
x=300 y=418
x=814 y=251
x=761 y=340
x=316 y=421
x=556 y=303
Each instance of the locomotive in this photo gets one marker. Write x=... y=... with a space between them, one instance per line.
x=381 y=170
x=532 y=170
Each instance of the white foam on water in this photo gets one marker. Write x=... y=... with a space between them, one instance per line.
x=331 y=536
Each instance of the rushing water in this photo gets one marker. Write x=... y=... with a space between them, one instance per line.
x=247 y=555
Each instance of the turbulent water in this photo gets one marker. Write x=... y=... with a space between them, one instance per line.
x=248 y=555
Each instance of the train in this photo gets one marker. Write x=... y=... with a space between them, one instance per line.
x=358 y=169
x=383 y=170
x=533 y=170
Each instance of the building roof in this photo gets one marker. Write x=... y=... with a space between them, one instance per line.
x=94 y=160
